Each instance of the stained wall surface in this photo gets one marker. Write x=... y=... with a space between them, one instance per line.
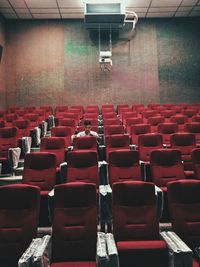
x=56 y=62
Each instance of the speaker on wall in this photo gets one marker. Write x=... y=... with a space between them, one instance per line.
x=1 y=52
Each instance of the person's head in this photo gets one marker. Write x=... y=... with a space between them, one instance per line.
x=88 y=126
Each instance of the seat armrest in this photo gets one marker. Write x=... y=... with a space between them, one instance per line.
x=159 y=201
x=180 y=254
x=26 y=258
x=112 y=250
x=42 y=254
x=143 y=170
x=101 y=257
x=133 y=147
x=103 y=172
x=70 y=148
x=63 y=172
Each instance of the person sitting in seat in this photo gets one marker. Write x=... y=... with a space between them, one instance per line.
x=87 y=131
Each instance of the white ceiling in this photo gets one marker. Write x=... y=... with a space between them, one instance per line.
x=73 y=9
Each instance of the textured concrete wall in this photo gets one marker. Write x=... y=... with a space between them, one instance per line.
x=56 y=62
x=2 y=65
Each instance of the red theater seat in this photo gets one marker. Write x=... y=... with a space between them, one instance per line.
x=19 y=212
x=136 y=227
x=74 y=226
x=123 y=165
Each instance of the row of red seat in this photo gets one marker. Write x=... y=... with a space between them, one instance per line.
x=135 y=222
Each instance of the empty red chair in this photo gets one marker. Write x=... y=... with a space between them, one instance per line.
x=168 y=105
x=74 y=231
x=193 y=127
x=147 y=143
x=167 y=129
x=94 y=122
x=153 y=105
x=60 y=110
x=41 y=114
x=154 y=121
x=138 y=129
x=107 y=108
x=109 y=115
x=113 y=129
x=2 y=113
x=136 y=227
x=68 y=122
x=74 y=116
x=54 y=145
x=91 y=116
x=92 y=109
x=33 y=119
x=19 y=212
x=167 y=114
x=40 y=170
x=180 y=120
x=185 y=142
x=114 y=121
x=184 y=205
x=23 y=127
x=20 y=113
x=2 y=123
x=196 y=118
x=126 y=115
x=12 y=109
x=78 y=107
x=166 y=166
x=123 y=110
x=196 y=162
x=85 y=142
x=9 y=119
x=123 y=165
x=137 y=106
x=29 y=109
x=48 y=110
x=121 y=106
x=8 y=139
x=82 y=166
x=148 y=113
x=64 y=132
x=190 y=112
x=131 y=121
x=116 y=142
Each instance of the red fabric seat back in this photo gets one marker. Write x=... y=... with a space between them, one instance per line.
x=166 y=166
x=75 y=223
x=196 y=162
x=113 y=129
x=85 y=142
x=114 y=121
x=138 y=129
x=134 y=211
x=82 y=166
x=184 y=206
x=8 y=139
x=147 y=143
x=64 y=132
x=40 y=170
x=123 y=165
x=54 y=145
x=19 y=212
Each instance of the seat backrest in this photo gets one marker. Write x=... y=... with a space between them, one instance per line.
x=114 y=121
x=195 y=153
x=85 y=142
x=123 y=165
x=54 y=145
x=82 y=166
x=166 y=166
x=184 y=206
x=40 y=170
x=183 y=140
x=64 y=132
x=166 y=129
x=74 y=222
x=116 y=142
x=23 y=127
x=19 y=212
x=147 y=143
x=132 y=121
x=8 y=139
x=113 y=129
x=134 y=211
